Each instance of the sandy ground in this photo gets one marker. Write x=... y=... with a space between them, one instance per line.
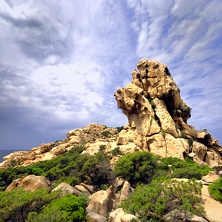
x=212 y=207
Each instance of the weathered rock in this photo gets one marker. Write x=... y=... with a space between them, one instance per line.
x=65 y=189
x=157 y=117
x=166 y=121
x=102 y=201
x=116 y=215
x=199 y=149
x=178 y=215
x=119 y=215
x=94 y=217
x=94 y=133
x=118 y=183
x=30 y=182
x=83 y=188
x=125 y=191
x=210 y=177
x=93 y=148
x=211 y=206
x=129 y=218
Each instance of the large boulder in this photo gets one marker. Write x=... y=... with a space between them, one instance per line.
x=30 y=182
x=101 y=202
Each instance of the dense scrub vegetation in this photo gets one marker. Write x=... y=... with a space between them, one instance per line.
x=138 y=167
x=67 y=208
x=40 y=205
x=71 y=168
x=144 y=167
x=155 y=193
x=215 y=190
x=155 y=200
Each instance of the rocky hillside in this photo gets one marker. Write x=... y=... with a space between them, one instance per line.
x=104 y=164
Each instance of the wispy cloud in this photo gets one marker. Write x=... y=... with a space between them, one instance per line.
x=60 y=62
x=186 y=36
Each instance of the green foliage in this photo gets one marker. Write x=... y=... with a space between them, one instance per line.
x=9 y=174
x=16 y=204
x=160 y=197
x=173 y=167
x=102 y=147
x=49 y=167
x=119 y=128
x=215 y=190
x=183 y=134
x=67 y=208
x=96 y=170
x=136 y=167
x=106 y=133
x=152 y=103
x=190 y=142
x=116 y=151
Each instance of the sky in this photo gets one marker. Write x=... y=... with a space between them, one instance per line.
x=61 y=62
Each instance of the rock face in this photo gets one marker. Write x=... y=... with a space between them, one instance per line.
x=30 y=182
x=158 y=116
x=101 y=202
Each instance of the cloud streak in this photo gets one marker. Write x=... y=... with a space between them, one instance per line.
x=62 y=61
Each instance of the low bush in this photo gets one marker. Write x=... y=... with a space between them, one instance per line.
x=138 y=167
x=16 y=204
x=215 y=190
x=68 y=208
x=152 y=201
x=116 y=151
x=173 y=167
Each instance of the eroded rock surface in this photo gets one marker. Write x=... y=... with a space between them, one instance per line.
x=30 y=182
x=157 y=117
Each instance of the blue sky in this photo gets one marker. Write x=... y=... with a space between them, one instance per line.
x=62 y=61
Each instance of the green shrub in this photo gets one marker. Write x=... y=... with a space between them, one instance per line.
x=173 y=167
x=67 y=208
x=106 y=133
x=215 y=190
x=54 y=169
x=183 y=134
x=136 y=167
x=116 y=151
x=119 y=128
x=154 y=200
x=18 y=203
x=96 y=169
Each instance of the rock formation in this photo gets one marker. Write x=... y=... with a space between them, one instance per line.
x=89 y=136
x=30 y=182
x=158 y=116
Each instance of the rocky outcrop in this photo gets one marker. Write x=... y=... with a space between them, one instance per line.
x=157 y=117
x=87 y=136
x=30 y=182
x=101 y=202
x=119 y=215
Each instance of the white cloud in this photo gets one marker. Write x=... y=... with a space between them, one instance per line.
x=183 y=8
x=62 y=61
